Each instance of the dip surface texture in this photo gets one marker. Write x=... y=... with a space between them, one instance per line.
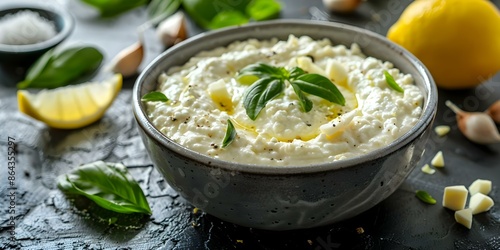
x=374 y=114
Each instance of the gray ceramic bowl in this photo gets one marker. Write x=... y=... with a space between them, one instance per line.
x=26 y=54
x=284 y=198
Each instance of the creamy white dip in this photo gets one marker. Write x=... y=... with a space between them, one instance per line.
x=374 y=114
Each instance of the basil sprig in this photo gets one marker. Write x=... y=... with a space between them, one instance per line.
x=154 y=96
x=60 y=66
x=115 y=7
x=425 y=197
x=230 y=134
x=271 y=82
x=392 y=83
x=109 y=185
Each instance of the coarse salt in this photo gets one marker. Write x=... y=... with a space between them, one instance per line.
x=25 y=27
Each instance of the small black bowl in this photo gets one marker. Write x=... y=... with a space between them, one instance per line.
x=24 y=55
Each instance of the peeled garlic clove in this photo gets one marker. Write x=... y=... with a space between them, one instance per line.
x=128 y=60
x=494 y=111
x=172 y=30
x=341 y=6
x=476 y=126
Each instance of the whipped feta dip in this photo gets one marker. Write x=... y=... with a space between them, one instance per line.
x=205 y=92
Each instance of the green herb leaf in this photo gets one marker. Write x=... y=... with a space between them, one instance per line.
x=228 y=18
x=425 y=197
x=296 y=72
x=304 y=102
x=392 y=83
x=154 y=97
x=59 y=67
x=115 y=7
x=230 y=134
x=263 y=9
x=321 y=86
x=260 y=93
x=160 y=9
x=204 y=11
x=265 y=89
x=109 y=185
x=264 y=70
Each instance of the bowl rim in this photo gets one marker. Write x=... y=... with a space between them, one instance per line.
x=67 y=20
x=417 y=130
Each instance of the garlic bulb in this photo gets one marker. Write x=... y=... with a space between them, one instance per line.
x=494 y=111
x=341 y=6
x=172 y=30
x=476 y=126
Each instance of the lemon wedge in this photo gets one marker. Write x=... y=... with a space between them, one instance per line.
x=73 y=106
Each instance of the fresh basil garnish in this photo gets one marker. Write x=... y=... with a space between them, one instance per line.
x=230 y=134
x=261 y=92
x=115 y=7
x=109 y=185
x=425 y=197
x=263 y=9
x=227 y=18
x=154 y=97
x=392 y=83
x=59 y=67
x=272 y=83
x=161 y=9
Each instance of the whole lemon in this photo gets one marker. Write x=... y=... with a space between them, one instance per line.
x=457 y=40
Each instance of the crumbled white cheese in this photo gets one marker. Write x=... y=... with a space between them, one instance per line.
x=442 y=130
x=374 y=115
x=336 y=71
x=427 y=169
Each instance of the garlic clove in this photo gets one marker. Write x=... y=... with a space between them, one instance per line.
x=482 y=129
x=494 y=111
x=341 y=6
x=127 y=61
x=478 y=127
x=172 y=30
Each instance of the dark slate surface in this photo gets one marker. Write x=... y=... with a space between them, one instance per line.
x=47 y=219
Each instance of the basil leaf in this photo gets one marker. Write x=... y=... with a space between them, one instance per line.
x=204 y=11
x=320 y=86
x=425 y=197
x=227 y=18
x=264 y=70
x=260 y=93
x=160 y=9
x=112 y=8
x=109 y=185
x=154 y=97
x=58 y=67
x=263 y=9
x=304 y=102
x=391 y=82
x=230 y=134
x=296 y=72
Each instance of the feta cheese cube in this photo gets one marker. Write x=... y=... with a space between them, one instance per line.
x=442 y=130
x=464 y=217
x=480 y=186
x=427 y=169
x=455 y=197
x=480 y=203
x=438 y=160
